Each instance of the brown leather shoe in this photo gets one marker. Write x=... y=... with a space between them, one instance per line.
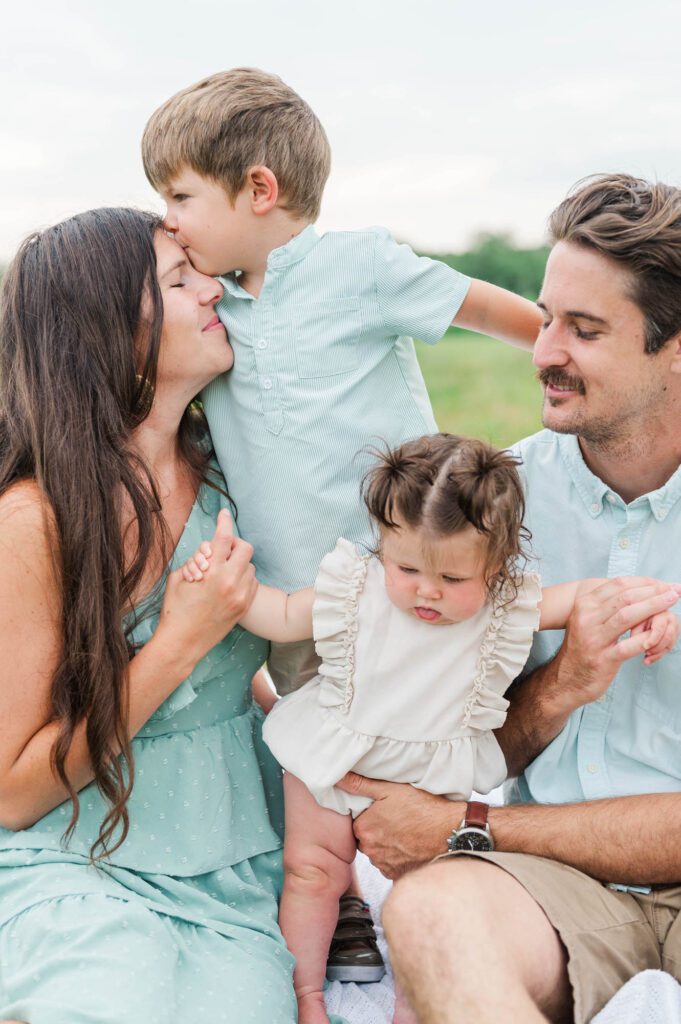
x=354 y=954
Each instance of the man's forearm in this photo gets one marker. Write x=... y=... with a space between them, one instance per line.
x=623 y=839
x=626 y=839
x=538 y=711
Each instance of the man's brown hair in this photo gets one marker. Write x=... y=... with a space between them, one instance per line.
x=443 y=483
x=637 y=224
x=234 y=120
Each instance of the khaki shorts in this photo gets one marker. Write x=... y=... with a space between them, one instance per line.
x=609 y=935
x=292 y=665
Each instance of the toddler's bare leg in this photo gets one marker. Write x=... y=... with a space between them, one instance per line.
x=354 y=888
x=319 y=848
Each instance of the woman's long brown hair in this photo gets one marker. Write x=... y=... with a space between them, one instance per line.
x=73 y=386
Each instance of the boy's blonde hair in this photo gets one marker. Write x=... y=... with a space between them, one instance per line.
x=234 y=120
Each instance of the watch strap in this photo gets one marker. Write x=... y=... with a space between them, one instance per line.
x=476 y=815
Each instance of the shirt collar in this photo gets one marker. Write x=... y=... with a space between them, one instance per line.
x=295 y=250
x=593 y=491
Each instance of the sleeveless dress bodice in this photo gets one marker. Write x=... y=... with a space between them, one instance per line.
x=180 y=922
x=197 y=802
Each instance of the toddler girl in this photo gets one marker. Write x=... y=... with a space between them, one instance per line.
x=418 y=641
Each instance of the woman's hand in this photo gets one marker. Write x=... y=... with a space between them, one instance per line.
x=273 y=614
x=195 y=618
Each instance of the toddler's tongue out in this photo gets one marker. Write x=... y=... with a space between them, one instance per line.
x=429 y=614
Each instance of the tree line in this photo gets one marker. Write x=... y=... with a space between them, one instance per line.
x=497 y=259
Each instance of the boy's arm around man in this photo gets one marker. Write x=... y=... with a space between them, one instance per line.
x=488 y=309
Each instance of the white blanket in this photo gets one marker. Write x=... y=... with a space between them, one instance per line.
x=652 y=997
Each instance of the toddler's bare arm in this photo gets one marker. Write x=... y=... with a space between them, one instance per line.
x=274 y=614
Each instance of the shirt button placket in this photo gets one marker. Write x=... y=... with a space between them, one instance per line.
x=591 y=745
x=262 y=351
x=624 y=546
x=591 y=751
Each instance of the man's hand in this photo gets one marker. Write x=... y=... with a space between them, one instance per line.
x=404 y=827
x=592 y=652
x=585 y=665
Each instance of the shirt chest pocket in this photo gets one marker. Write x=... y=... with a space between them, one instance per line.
x=659 y=690
x=326 y=336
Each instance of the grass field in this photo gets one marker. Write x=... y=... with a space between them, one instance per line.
x=481 y=387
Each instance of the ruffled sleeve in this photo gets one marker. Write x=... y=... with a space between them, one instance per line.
x=334 y=616
x=503 y=652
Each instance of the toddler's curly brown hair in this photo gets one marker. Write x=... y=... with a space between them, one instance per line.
x=443 y=483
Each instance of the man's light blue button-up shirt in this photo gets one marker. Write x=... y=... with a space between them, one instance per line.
x=321 y=371
x=629 y=741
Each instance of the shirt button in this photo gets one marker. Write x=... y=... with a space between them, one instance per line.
x=267 y=384
x=624 y=542
x=262 y=343
x=595 y=507
x=662 y=513
x=592 y=769
x=611 y=497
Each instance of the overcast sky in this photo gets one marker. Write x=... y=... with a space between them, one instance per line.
x=445 y=118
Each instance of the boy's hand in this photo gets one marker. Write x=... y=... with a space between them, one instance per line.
x=663 y=632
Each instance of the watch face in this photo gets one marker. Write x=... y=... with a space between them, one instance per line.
x=472 y=839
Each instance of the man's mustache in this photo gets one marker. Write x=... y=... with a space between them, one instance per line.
x=554 y=376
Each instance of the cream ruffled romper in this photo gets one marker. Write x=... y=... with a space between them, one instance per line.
x=397 y=698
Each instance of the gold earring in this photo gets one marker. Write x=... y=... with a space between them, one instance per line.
x=145 y=392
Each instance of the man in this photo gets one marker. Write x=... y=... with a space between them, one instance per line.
x=532 y=931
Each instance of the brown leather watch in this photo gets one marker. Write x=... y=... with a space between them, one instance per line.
x=474 y=832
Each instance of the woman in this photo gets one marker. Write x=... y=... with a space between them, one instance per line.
x=140 y=812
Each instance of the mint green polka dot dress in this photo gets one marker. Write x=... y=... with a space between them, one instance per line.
x=180 y=926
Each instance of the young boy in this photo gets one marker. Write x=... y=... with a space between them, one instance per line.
x=324 y=367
